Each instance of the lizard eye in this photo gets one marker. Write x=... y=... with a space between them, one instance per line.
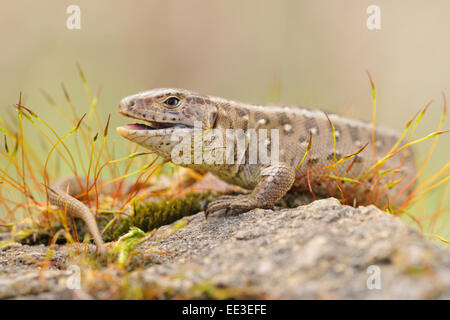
x=172 y=102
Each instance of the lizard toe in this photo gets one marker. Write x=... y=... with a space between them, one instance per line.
x=226 y=197
x=232 y=204
x=216 y=206
x=242 y=204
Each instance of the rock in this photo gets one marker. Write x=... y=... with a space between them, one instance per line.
x=323 y=250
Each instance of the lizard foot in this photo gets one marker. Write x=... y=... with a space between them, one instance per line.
x=235 y=204
x=275 y=181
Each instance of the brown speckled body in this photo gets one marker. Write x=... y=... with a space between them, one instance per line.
x=270 y=182
x=167 y=111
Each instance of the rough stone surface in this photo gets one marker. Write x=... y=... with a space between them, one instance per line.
x=319 y=251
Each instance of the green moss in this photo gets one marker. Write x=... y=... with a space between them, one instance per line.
x=133 y=289
x=154 y=214
x=417 y=271
x=207 y=290
x=145 y=215
x=31 y=234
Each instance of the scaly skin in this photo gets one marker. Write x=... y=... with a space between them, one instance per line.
x=267 y=182
x=166 y=110
x=61 y=194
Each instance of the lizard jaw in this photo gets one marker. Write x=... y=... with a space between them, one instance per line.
x=137 y=129
x=161 y=141
x=148 y=128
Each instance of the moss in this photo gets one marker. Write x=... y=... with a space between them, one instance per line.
x=208 y=290
x=32 y=234
x=417 y=271
x=154 y=214
x=133 y=289
x=145 y=215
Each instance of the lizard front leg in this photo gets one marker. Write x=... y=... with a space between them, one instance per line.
x=275 y=181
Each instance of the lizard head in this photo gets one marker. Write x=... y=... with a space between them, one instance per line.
x=161 y=112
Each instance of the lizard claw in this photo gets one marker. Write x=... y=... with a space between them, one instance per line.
x=233 y=204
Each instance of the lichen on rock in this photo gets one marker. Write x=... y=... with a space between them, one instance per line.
x=323 y=250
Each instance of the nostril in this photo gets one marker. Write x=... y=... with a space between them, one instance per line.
x=131 y=103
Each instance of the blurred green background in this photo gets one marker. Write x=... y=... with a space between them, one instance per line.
x=314 y=53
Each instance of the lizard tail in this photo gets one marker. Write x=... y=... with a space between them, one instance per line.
x=61 y=194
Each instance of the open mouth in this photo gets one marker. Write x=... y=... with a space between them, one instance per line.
x=151 y=125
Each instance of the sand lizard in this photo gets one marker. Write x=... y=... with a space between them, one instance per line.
x=163 y=111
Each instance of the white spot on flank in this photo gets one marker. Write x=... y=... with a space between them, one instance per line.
x=319 y=115
x=287 y=127
x=262 y=121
